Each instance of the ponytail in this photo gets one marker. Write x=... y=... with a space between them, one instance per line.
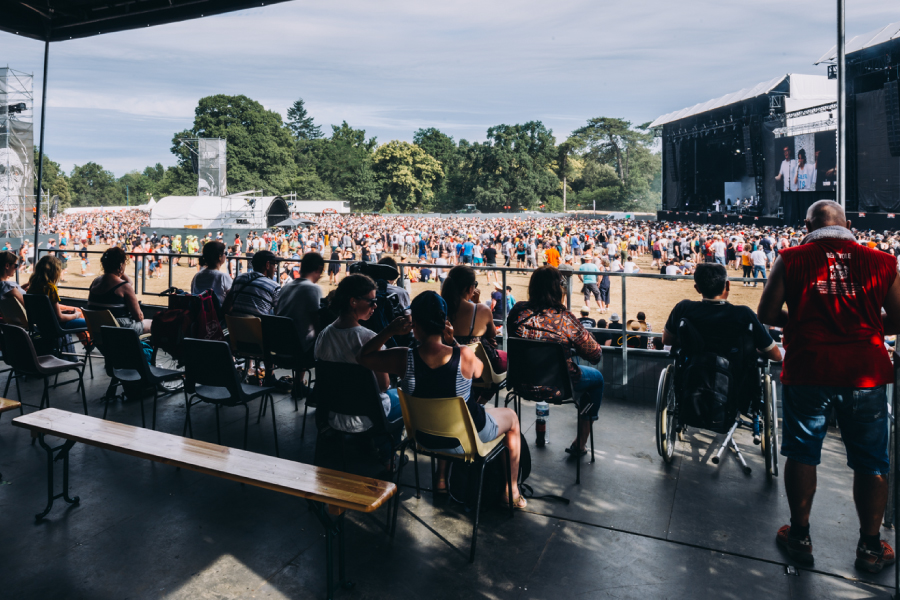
x=459 y=279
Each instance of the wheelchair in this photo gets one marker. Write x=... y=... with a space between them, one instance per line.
x=751 y=394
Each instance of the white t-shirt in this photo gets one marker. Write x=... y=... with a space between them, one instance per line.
x=342 y=345
x=672 y=270
x=787 y=175
x=631 y=267
x=758 y=258
x=806 y=178
x=719 y=249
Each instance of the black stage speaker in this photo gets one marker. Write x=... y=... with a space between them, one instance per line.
x=892 y=115
x=670 y=160
x=748 y=152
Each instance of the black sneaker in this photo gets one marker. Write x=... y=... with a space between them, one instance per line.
x=800 y=550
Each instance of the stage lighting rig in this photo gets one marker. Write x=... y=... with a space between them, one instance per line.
x=16 y=108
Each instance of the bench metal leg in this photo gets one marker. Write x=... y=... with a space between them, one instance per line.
x=62 y=452
x=334 y=531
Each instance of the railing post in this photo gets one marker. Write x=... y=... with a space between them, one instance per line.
x=624 y=335
x=569 y=289
x=144 y=274
x=171 y=266
x=137 y=275
x=505 y=315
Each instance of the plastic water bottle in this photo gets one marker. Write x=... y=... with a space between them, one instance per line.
x=542 y=412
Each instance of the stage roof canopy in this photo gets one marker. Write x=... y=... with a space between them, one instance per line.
x=58 y=20
x=802 y=91
x=866 y=40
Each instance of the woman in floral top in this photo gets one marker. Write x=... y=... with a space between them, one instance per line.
x=544 y=317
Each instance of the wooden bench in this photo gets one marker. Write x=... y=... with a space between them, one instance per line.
x=6 y=405
x=330 y=493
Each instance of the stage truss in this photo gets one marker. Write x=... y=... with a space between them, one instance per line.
x=16 y=153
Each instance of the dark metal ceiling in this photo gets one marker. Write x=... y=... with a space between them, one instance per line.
x=58 y=20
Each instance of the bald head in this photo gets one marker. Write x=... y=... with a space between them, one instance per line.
x=825 y=213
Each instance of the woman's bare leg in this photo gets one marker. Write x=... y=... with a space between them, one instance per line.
x=508 y=423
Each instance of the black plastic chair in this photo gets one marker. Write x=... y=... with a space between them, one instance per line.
x=125 y=357
x=210 y=376
x=19 y=353
x=282 y=343
x=542 y=363
x=43 y=321
x=351 y=389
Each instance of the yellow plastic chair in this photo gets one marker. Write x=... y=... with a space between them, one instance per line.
x=449 y=418
x=490 y=380
x=13 y=312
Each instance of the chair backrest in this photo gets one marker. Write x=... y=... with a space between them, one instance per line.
x=123 y=349
x=731 y=341
x=96 y=320
x=280 y=337
x=246 y=337
x=348 y=389
x=18 y=350
x=209 y=362
x=446 y=418
x=537 y=363
x=13 y=312
x=42 y=316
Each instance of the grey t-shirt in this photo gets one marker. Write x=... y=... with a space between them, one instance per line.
x=299 y=300
x=8 y=285
x=208 y=279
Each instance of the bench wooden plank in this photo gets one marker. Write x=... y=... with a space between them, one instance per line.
x=6 y=405
x=334 y=488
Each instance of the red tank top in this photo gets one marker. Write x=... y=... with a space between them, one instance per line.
x=834 y=336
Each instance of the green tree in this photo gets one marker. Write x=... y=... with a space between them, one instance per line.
x=389 y=205
x=301 y=124
x=345 y=164
x=612 y=140
x=407 y=173
x=92 y=185
x=55 y=182
x=442 y=148
x=512 y=168
x=260 y=148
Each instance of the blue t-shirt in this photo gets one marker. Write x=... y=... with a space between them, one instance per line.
x=422 y=245
x=591 y=267
x=467 y=249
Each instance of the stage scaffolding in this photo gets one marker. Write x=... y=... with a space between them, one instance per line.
x=16 y=153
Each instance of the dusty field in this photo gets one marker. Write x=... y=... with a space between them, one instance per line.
x=655 y=297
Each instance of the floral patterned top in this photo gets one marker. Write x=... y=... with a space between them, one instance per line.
x=557 y=325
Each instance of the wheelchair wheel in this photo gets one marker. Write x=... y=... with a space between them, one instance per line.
x=770 y=427
x=665 y=414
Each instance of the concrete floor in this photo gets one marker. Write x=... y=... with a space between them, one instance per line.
x=635 y=528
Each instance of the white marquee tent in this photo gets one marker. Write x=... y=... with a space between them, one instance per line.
x=208 y=212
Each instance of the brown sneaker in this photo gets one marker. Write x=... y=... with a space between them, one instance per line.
x=873 y=562
x=800 y=550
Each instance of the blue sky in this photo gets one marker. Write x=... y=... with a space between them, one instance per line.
x=393 y=66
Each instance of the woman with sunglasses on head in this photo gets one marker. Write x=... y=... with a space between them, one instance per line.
x=9 y=264
x=436 y=366
x=354 y=301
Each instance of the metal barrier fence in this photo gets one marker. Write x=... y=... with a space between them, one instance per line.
x=141 y=267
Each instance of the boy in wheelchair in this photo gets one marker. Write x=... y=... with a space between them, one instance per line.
x=717 y=346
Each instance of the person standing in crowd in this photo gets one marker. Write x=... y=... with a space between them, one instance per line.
x=835 y=358
x=760 y=262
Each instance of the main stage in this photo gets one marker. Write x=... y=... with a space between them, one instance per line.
x=879 y=222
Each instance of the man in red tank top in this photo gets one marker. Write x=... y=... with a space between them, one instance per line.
x=835 y=356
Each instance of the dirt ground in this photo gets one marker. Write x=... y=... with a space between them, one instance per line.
x=653 y=296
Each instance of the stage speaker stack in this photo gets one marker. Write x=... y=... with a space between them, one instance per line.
x=748 y=152
x=670 y=160
x=892 y=115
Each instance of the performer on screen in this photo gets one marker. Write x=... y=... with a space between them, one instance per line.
x=786 y=173
x=804 y=174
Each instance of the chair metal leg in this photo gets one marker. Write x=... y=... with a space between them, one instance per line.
x=45 y=397
x=509 y=490
x=8 y=382
x=397 y=496
x=187 y=416
x=303 y=427
x=246 y=423
x=262 y=411
x=592 y=442
x=218 y=430
x=477 y=512
x=275 y=427
x=416 y=470
x=153 y=420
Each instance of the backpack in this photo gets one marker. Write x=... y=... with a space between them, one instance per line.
x=462 y=479
x=187 y=316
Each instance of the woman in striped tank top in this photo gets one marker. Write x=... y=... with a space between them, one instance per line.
x=437 y=367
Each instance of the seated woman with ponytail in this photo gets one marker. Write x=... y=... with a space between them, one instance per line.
x=472 y=321
x=436 y=366
x=209 y=277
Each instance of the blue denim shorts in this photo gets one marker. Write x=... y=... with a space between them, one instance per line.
x=862 y=417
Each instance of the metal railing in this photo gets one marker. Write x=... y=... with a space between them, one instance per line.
x=141 y=267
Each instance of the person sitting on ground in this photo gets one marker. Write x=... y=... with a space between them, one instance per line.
x=472 y=321
x=254 y=293
x=9 y=264
x=544 y=317
x=210 y=277
x=402 y=294
x=341 y=341
x=113 y=291
x=436 y=366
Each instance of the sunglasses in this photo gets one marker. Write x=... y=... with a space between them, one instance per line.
x=371 y=301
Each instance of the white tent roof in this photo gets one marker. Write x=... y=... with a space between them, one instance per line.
x=861 y=42
x=805 y=91
x=210 y=211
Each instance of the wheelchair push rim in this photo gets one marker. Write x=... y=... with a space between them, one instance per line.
x=770 y=424
x=665 y=415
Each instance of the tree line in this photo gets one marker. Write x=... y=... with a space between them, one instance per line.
x=607 y=161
